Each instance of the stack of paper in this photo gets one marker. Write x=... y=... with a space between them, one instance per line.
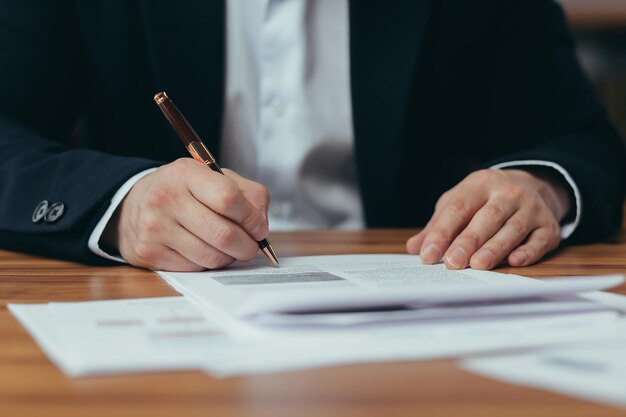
x=593 y=371
x=318 y=311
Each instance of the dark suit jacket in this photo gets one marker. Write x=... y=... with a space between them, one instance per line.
x=439 y=88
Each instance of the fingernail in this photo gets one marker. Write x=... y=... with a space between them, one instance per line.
x=519 y=258
x=431 y=253
x=483 y=259
x=457 y=258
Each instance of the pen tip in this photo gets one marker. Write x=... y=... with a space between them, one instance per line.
x=268 y=251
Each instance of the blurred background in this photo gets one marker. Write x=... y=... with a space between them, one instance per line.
x=599 y=27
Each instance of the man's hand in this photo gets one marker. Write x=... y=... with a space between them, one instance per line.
x=186 y=217
x=492 y=216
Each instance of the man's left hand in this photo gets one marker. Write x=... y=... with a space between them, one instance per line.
x=492 y=216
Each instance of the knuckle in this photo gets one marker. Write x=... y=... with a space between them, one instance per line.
x=225 y=237
x=459 y=208
x=227 y=197
x=442 y=200
x=516 y=192
x=496 y=246
x=532 y=252
x=471 y=239
x=181 y=166
x=146 y=253
x=261 y=189
x=439 y=236
x=264 y=193
x=484 y=176
x=159 y=196
x=494 y=213
x=542 y=243
x=149 y=225
x=478 y=175
x=518 y=226
x=535 y=207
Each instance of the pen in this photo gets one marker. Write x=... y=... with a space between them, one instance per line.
x=199 y=151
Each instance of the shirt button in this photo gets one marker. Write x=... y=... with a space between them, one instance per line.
x=278 y=106
x=40 y=211
x=55 y=212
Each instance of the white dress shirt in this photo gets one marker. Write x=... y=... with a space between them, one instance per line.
x=288 y=112
x=288 y=115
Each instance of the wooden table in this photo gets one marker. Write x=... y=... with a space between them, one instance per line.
x=31 y=386
x=595 y=14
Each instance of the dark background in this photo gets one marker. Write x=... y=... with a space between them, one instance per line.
x=599 y=28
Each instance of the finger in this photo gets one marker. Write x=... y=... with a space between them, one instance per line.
x=512 y=233
x=162 y=258
x=254 y=192
x=198 y=251
x=540 y=242
x=484 y=225
x=414 y=243
x=454 y=216
x=217 y=231
x=223 y=196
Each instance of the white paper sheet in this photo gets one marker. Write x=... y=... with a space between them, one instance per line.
x=352 y=282
x=410 y=341
x=39 y=321
x=593 y=371
x=106 y=337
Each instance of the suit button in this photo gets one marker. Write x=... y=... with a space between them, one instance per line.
x=40 y=211
x=55 y=212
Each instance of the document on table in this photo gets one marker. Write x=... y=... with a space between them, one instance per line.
x=227 y=324
x=372 y=288
x=592 y=371
x=104 y=337
x=157 y=334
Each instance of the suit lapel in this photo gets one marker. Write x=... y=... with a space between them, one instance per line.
x=385 y=40
x=186 y=46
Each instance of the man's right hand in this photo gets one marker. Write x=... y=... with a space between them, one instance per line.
x=186 y=217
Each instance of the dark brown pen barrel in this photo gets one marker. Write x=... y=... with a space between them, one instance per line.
x=179 y=123
x=263 y=244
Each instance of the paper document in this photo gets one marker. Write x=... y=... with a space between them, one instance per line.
x=157 y=334
x=595 y=372
x=103 y=337
x=321 y=311
x=352 y=283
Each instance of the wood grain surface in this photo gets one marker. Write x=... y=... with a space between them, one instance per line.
x=31 y=386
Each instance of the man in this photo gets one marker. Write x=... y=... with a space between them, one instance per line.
x=352 y=113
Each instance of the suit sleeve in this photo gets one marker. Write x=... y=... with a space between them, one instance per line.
x=42 y=79
x=540 y=97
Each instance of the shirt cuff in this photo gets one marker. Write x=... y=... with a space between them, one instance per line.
x=94 y=238
x=566 y=229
